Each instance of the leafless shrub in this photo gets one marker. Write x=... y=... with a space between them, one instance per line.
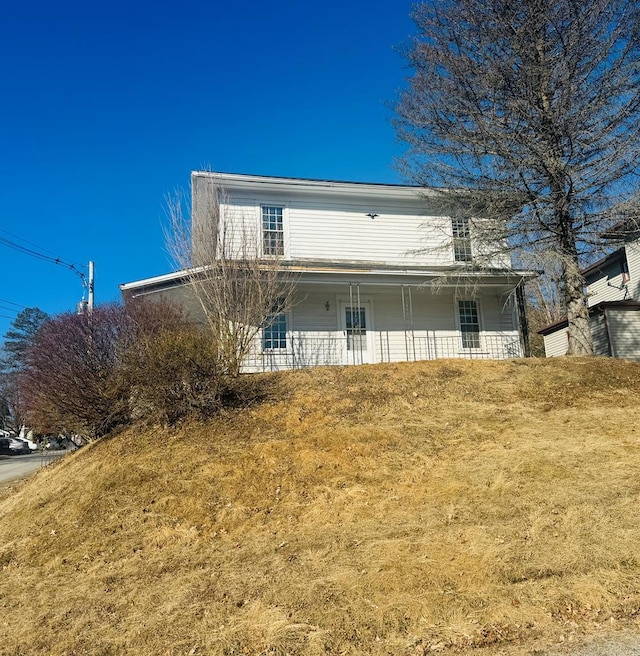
x=238 y=287
x=73 y=379
x=89 y=374
x=176 y=373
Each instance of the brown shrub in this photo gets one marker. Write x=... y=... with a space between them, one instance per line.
x=176 y=373
x=72 y=379
x=89 y=373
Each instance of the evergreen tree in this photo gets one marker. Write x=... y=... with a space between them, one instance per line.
x=20 y=336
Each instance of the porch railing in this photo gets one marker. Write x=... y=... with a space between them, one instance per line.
x=489 y=347
x=304 y=351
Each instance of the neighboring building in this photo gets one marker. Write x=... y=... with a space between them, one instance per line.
x=613 y=295
x=374 y=265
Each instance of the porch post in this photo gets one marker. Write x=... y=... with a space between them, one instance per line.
x=411 y=327
x=523 y=322
x=404 y=323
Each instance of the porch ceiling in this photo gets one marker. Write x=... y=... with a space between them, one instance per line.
x=429 y=280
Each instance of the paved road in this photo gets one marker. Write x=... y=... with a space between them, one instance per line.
x=13 y=467
x=626 y=644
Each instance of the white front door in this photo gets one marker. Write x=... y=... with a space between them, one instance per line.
x=356 y=325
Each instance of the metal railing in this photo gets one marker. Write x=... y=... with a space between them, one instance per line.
x=304 y=351
x=489 y=347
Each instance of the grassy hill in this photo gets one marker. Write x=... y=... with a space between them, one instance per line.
x=392 y=509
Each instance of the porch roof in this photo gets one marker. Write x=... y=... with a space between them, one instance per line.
x=317 y=273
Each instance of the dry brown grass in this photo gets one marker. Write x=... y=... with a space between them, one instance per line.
x=396 y=509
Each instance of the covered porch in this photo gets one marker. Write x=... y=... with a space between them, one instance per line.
x=381 y=317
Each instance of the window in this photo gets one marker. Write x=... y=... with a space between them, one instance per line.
x=469 y=324
x=274 y=334
x=272 y=230
x=461 y=239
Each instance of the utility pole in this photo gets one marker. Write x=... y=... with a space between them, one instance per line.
x=91 y=288
x=86 y=307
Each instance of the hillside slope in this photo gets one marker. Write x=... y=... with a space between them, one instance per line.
x=390 y=509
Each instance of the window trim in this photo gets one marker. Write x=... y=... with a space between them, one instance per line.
x=461 y=243
x=284 y=232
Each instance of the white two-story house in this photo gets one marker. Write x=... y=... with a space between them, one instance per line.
x=381 y=276
x=613 y=296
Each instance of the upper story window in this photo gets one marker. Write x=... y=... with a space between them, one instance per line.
x=461 y=239
x=469 y=324
x=272 y=230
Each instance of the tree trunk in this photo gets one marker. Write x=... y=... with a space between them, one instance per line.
x=579 y=331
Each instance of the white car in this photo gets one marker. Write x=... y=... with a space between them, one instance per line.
x=30 y=443
x=18 y=445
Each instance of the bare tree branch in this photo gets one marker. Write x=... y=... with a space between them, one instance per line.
x=237 y=286
x=533 y=109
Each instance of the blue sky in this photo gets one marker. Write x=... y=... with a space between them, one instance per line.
x=106 y=107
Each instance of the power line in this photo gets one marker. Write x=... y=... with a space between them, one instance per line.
x=48 y=256
x=4 y=300
x=40 y=254
x=44 y=250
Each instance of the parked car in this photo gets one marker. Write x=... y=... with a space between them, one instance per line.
x=31 y=445
x=14 y=446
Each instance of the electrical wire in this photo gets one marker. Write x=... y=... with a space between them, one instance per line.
x=4 y=300
x=40 y=253
x=44 y=250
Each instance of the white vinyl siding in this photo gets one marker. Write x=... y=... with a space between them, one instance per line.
x=607 y=284
x=332 y=231
x=598 y=325
x=633 y=263
x=624 y=328
x=393 y=227
x=385 y=241
x=556 y=343
x=622 y=341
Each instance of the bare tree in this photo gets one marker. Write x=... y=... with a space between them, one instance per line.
x=235 y=272
x=528 y=113
x=544 y=292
